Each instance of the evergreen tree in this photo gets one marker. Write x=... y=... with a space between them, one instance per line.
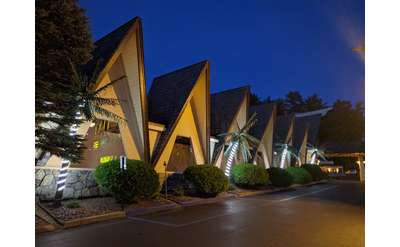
x=294 y=102
x=254 y=99
x=313 y=102
x=343 y=124
x=62 y=38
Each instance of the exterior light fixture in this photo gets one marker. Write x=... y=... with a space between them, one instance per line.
x=230 y=158
x=122 y=162
x=283 y=157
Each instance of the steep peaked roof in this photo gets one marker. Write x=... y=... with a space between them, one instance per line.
x=167 y=97
x=282 y=127
x=105 y=47
x=264 y=114
x=313 y=130
x=301 y=126
x=224 y=106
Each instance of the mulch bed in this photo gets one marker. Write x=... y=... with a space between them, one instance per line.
x=88 y=207
x=185 y=198
x=149 y=203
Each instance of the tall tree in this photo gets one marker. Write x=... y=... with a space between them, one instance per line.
x=294 y=102
x=343 y=124
x=313 y=102
x=254 y=99
x=62 y=38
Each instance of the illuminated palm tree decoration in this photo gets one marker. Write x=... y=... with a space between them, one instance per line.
x=90 y=103
x=241 y=141
x=286 y=151
x=315 y=153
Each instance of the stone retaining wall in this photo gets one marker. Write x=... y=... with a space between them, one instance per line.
x=80 y=184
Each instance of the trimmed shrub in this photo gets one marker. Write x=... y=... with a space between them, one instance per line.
x=279 y=177
x=249 y=175
x=207 y=180
x=315 y=171
x=177 y=185
x=300 y=175
x=139 y=180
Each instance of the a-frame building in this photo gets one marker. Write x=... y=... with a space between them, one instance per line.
x=118 y=56
x=179 y=115
x=283 y=135
x=263 y=130
x=229 y=111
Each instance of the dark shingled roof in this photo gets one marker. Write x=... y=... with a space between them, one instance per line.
x=105 y=48
x=264 y=114
x=282 y=127
x=224 y=106
x=168 y=95
x=301 y=125
x=312 y=122
x=313 y=130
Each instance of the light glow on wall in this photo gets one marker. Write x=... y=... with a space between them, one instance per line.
x=230 y=159
x=283 y=157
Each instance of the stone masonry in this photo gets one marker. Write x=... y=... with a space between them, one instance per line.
x=80 y=184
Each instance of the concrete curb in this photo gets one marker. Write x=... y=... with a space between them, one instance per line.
x=142 y=211
x=200 y=201
x=45 y=228
x=261 y=192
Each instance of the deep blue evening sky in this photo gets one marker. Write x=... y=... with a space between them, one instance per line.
x=275 y=46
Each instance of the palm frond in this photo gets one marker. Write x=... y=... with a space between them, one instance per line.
x=251 y=138
x=100 y=101
x=103 y=88
x=105 y=113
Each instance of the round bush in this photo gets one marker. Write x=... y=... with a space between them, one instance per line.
x=249 y=175
x=177 y=185
x=139 y=180
x=315 y=171
x=300 y=175
x=208 y=181
x=279 y=177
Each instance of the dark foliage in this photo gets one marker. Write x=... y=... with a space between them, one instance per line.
x=207 y=180
x=249 y=176
x=300 y=175
x=254 y=99
x=315 y=171
x=62 y=37
x=177 y=185
x=279 y=177
x=139 y=180
x=343 y=124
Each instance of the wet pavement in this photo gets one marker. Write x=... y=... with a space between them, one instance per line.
x=322 y=215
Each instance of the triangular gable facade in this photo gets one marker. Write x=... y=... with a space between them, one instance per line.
x=179 y=101
x=283 y=134
x=313 y=123
x=301 y=129
x=118 y=55
x=229 y=111
x=284 y=129
x=264 y=131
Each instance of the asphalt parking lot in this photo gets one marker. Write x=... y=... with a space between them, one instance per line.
x=321 y=215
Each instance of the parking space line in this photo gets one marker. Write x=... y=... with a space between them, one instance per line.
x=268 y=202
x=153 y=222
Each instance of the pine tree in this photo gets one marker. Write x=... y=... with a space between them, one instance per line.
x=62 y=38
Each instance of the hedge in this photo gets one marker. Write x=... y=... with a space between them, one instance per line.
x=207 y=180
x=280 y=177
x=300 y=175
x=139 y=180
x=249 y=175
x=315 y=171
